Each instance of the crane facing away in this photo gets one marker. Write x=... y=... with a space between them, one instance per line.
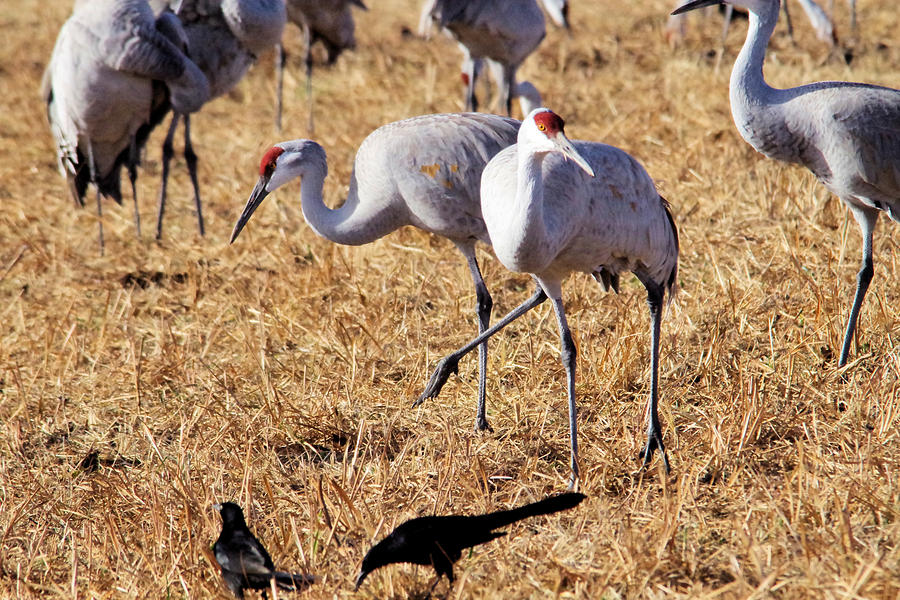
x=500 y=31
x=847 y=134
x=424 y=171
x=550 y=217
x=114 y=71
x=224 y=39
x=328 y=21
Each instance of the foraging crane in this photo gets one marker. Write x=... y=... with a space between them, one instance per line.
x=550 y=217
x=224 y=39
x=113 y=72
x=424 y=171
x=503 y=31
x=847 y=134
x=330 y=21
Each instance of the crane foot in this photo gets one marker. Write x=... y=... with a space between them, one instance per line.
x=654 y=442
x=481 y=425
x=448 y=365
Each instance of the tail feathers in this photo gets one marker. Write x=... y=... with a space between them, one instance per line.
x=291 y=581
x=542 y=507
x=672 y=281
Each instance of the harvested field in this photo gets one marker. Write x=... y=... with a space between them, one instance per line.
x=140 y=387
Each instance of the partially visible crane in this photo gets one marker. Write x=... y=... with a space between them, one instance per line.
x=224 y=39
x=328 y=21
x=113 y=74
x=504 y=32
x=424 y=171
x=550 y=217
x=847 y=134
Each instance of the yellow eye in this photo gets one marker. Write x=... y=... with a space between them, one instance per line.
x=542 y=127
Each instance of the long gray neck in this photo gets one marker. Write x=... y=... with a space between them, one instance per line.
x=748 y=87
x=527 y=222
x=353 y=223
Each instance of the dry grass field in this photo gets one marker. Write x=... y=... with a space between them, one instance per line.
x=140 y=387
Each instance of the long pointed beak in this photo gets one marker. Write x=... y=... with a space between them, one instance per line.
x=256 y=197
x=695 y=4
x=568 y=150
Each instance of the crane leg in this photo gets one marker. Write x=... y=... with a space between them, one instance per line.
x=471 y=69
x=483 y=306
x=787 y=19
x=655 y=295
x=93 y=169
x=450 y=363
x=568 y=354
x=280 y=58
x=507 y=88
x=132 y=175
x=190 y=157
x=308 y=61
x=167 y=154
x=867 y=218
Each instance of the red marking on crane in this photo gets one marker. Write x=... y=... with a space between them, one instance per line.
x=465 y=79
x=267 y=164
x=549 y=123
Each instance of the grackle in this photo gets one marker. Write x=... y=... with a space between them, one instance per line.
x=439 y=540
x=244 y=561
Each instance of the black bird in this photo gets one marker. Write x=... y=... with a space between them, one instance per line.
x=439 y=540
x=244 y=561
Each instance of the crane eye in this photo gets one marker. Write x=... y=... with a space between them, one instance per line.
x=542 y=127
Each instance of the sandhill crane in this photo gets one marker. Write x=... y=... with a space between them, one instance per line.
x=424 y=171
x=224 y=39
x=503 y=31
x=328 y=21
x=113 y=72
x=847 y=134
x=550 y=217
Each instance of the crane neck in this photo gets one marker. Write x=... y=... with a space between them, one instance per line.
x=748 y=86
x=527 y=224
x=353 y=223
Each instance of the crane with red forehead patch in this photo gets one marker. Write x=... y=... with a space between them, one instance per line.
x=548 y=215
x=424 y=171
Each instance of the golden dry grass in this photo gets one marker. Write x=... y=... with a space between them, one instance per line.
x=278 y=372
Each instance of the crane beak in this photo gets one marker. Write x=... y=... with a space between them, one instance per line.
x=695 y=4
x=568 y=150
x=256 y=197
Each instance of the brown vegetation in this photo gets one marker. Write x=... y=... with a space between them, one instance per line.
x=138 y=388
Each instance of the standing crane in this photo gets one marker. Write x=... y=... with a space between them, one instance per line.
x=847 y=134
x=224 y=39
x=550 y=217
x=328 y=21
x=113 y=73
x=502 y=31
x=424 y=171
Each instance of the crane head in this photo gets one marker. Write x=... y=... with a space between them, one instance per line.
x=543 y=131
x=280 y=164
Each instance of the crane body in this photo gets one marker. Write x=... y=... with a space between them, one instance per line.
x=548 y=215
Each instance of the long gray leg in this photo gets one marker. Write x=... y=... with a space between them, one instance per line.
x=655 y=294
x=867 y=218
x=568 y=354
x=507 y=88
x=450 y=363
x=280 y=58
x=190 y=157
x=787 y=19
x=483 y=306
x=93 y=170
x=308 y=60
x=133 y=159
x=167 y=154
